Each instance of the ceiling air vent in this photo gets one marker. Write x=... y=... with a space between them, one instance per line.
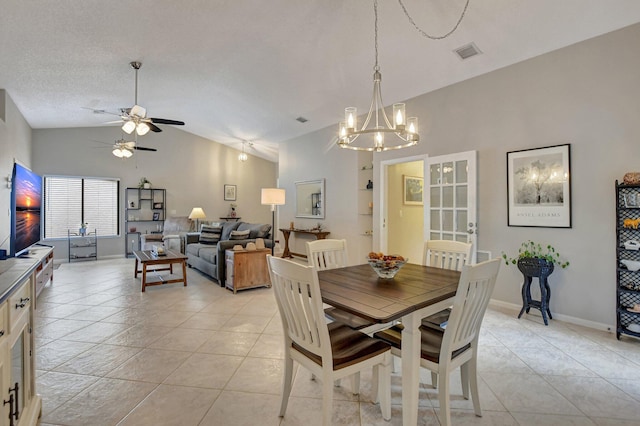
x=467 y=51
x=302 y=119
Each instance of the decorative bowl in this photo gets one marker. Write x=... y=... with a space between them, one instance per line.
x=387 y=266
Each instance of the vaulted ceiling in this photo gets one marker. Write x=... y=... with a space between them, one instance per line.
x=238 y=70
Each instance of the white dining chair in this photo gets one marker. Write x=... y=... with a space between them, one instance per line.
x=457 y=347
x=446 y=254
x=331 y=254
x=330 y=351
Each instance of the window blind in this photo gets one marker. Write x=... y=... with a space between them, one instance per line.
x=71 y=201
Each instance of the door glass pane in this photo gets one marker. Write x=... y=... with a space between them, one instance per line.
x=435 y=220
x=447 y=172
x=462 y=238
x=461 y=221
x=447 y=236
x=447 y=196
x=461 y=171
x=435 y=174
x=434 y=236
x=435 y=196
x=447 y=220
x=461 y=196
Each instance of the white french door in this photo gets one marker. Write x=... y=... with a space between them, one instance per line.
x=451 y=194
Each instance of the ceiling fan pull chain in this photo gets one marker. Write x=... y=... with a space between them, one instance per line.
x=421 y=31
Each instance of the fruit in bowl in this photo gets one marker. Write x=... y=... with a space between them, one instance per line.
x=386 y=265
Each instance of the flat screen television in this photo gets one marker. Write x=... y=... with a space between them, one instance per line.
x=26 y=203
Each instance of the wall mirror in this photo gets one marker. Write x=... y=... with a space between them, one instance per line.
x=310 y=199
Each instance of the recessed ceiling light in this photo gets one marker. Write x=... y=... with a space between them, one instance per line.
x=301 y=119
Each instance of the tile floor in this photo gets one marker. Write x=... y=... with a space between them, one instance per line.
x=108 y=354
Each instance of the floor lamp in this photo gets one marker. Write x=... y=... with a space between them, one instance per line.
x=197 y=213
x=273 y=197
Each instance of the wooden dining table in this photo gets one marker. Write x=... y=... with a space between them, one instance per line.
x=414 y=293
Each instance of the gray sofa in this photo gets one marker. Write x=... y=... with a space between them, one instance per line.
x=209 y=258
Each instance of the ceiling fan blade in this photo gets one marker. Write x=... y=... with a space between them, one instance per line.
x=165 y=121
x=142 y=148
x=153 y=127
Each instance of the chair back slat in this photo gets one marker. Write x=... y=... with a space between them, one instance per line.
x=446 y=254
x=470 y=304
x=298 y=297
x=327 y=254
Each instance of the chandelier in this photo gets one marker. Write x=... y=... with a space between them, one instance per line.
x=402 y=131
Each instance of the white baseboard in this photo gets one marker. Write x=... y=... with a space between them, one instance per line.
x=565 y=318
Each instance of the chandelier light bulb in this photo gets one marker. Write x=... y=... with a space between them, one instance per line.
x=350 y=114
x=399 y=114
x=126 y=153
x=243 y=157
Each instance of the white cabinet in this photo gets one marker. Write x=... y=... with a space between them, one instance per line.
x=20 y=404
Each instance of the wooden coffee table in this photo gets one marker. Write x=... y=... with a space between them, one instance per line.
x=147 y=258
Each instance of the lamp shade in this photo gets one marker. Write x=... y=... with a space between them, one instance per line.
x=197 y=213
x=272 y=196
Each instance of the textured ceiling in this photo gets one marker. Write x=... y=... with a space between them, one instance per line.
x=238 y=70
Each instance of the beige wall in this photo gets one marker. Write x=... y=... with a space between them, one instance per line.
x=587 y=95
x=192 y=169
x=405 y=223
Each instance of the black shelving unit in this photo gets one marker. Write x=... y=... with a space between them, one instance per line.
x=145 y=210
x=82 y=246
x=627 y=281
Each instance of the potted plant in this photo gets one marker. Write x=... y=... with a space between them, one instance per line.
x=535 y=260
x=144 y=183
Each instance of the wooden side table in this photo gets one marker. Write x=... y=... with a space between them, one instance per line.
x=320 y=235
x=247 y=269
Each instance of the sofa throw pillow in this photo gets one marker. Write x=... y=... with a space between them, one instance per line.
x=256 y=230
x=239 y=235
x=210 y=234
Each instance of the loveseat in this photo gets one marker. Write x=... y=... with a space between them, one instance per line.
x=205 y=250
x=172 y=238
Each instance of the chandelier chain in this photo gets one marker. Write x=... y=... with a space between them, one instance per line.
x=375 y=31
x=421 y=31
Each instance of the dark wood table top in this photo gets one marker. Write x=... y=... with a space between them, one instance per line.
x=147 y=256
x=359 y=290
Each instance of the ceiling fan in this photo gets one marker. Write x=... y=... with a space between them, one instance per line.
x=124 y=149
x=135 y=118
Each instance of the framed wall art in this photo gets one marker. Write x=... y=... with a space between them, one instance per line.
x=412 y=189
x=230 y=192
x=539 y=187
x=156 y=216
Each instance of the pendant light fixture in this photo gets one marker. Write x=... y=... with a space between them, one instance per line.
x=400 y=131
x=243 y=156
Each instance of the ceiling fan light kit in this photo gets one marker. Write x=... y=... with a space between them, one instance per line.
x=135 y=119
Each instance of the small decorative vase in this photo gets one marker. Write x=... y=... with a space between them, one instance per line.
x=232 y=213
x=82 y=231
x=147 y=185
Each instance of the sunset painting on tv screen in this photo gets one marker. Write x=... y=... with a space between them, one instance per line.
x=28 y=198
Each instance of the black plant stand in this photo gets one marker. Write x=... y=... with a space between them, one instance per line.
x=540 y=268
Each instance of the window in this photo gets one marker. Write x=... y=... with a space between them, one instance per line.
x=71 y=201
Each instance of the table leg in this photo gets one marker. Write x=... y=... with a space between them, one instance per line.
x=184 y=271
x=543 y=300
x=410 y=369
x=144 y=276
x=526 y=295
x=286 y=233
x=546 y=285
x=135 y=271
